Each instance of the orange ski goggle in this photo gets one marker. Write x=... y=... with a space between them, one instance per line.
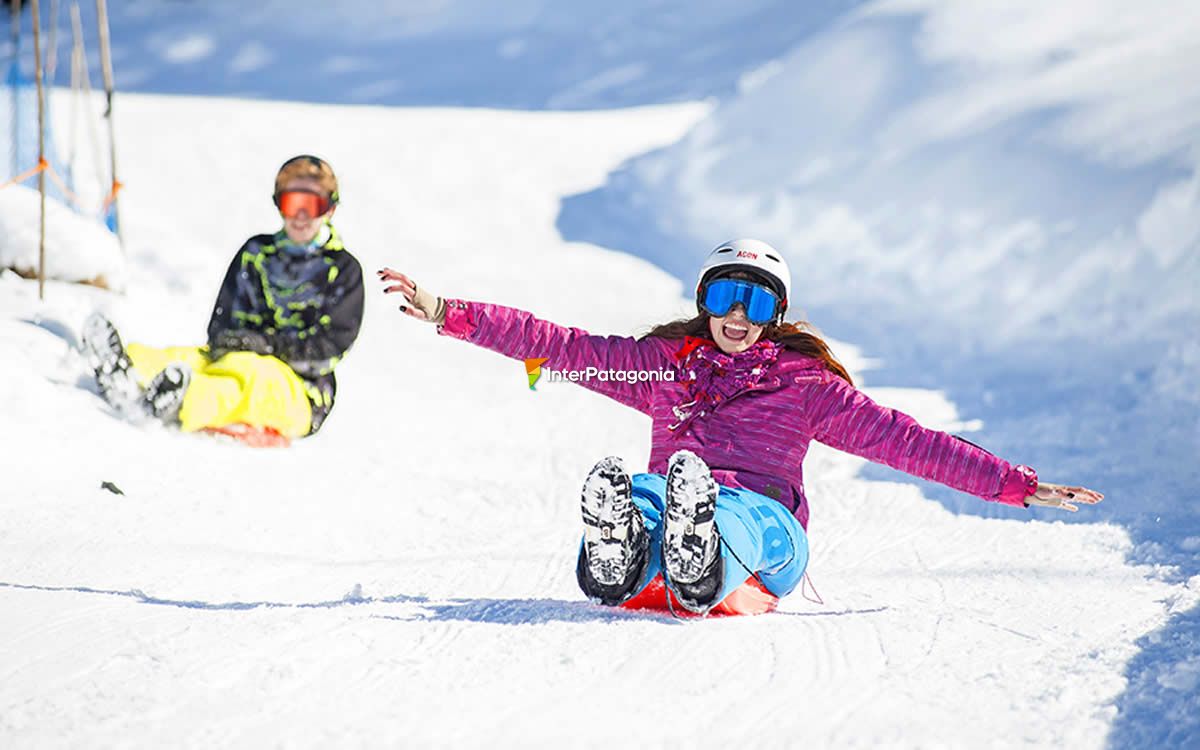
x=292 y=202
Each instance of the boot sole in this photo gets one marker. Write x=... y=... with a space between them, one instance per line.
x=164 y=396
x=107 y=357
x=690 y=537
x=611 y=522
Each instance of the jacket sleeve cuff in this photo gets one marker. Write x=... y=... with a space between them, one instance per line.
x=1019 y=483
x=460 y=322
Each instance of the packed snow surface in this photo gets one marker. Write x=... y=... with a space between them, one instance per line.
x=406 y=577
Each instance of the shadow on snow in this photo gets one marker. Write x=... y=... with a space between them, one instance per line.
x=481 y=610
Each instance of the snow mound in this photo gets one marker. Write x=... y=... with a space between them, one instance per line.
x=77 y=248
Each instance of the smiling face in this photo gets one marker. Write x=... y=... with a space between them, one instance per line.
x=732 y=332
x=302 y=228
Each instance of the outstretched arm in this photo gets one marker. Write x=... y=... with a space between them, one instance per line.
x=846 y=418
x=520 y=335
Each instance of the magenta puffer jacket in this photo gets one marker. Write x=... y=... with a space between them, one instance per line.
x=755 y=414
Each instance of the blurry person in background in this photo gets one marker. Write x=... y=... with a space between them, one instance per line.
x=289 y=309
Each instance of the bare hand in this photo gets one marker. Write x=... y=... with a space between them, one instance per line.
x=1062 y=496
x=422 y=304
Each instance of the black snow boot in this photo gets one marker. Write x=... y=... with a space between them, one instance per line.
x=691 y=540
x=107 y=357
x=615 y=548
x=164 y=395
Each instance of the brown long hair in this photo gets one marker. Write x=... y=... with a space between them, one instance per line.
x=798 y=336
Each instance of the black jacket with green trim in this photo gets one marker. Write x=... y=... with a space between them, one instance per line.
x=305 y=309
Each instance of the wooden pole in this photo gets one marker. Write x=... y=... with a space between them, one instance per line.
x=77 y=67
x=106 y=62
x=15 y=27
x=41 y=99
x=81 y=98
x=52 y=46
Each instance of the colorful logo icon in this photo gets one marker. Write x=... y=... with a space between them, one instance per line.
x=533 y=368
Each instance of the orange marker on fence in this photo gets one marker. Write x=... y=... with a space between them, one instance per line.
x=41 y=166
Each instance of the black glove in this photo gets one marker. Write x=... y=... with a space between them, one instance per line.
x=311 y=369
x=242 y=340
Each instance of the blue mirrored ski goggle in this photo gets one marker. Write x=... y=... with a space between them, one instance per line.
x=718 y=297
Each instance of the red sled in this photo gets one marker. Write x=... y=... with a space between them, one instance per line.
x=748 y=599
x=255 y=437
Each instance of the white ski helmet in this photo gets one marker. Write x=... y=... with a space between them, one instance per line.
x=752 y=256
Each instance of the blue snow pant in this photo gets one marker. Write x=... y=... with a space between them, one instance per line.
x=758 y=536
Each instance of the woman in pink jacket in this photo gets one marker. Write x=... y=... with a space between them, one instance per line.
x=736 y=395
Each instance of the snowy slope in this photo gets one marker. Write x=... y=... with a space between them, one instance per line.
x=406 y=577
x=982 y=193
x=999 y=199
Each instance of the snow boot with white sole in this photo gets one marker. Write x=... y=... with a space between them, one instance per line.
x=164 y=395
x=615 y=547
x=107 y=357
x=691 y=541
